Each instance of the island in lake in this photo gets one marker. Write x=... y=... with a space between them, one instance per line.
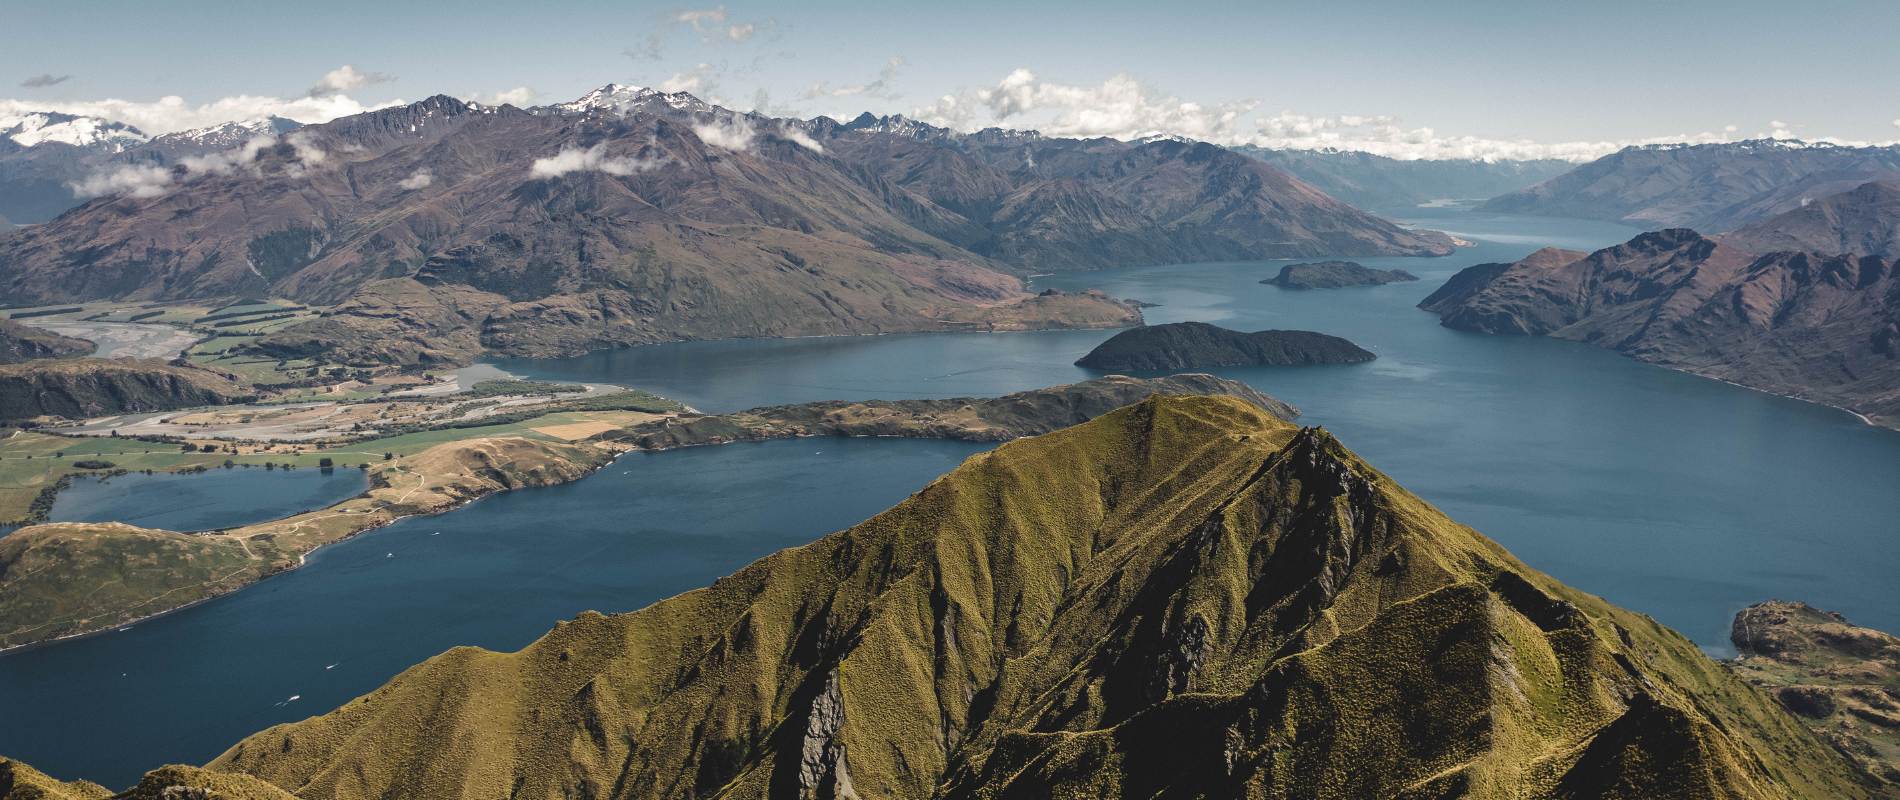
x=1198 y=345
x=1335 y=275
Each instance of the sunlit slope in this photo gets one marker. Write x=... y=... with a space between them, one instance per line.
x=1185 y=597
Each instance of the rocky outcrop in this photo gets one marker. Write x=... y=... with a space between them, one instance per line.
x=1198 y=345
x=1708 y=187
x=19 y=342
x=1184 y=597
x=1843 y=680
x=1335 y=275
x=95 y=387
x=979 y=419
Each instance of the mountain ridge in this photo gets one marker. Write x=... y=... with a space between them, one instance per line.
x=1709 y=187
x=1169 y=600
x=1822 y=326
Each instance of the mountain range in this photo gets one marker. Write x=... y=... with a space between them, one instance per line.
x=632 y=215
x=1379 y=182
x=1709 y=187
x=1186 y=597
x=1806 y=303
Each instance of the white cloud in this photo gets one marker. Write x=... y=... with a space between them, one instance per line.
x=347 y=78
x=702 y=79
x=879 y=88
x=520 y=97
x=151 y=181
x=799 y=137
x=734 y=134
x=741 y=31
x=701 y=18
x=142 y=180
x=592 y=159
x=306 y=146
x=420 y=179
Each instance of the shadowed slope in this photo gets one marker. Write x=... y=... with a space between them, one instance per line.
x=1184 y=597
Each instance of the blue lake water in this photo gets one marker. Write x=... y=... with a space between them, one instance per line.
x=1676 y=496
x=217 y=498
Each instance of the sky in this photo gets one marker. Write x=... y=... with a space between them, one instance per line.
x=1407 y=79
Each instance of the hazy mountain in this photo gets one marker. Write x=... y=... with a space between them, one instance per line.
x=1863 y=222
x=44 y=155
x=1708 y=187
x=1372 y=181
x=1821 y=325
x=1183 y=598
x=632 y=216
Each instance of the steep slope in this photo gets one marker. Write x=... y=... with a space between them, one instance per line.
x=94 y=387
x=1820 y=327
x=1708 y=187
x=1186 y=597
x=1377 y=182
x=1862 y=222
x=20 y=342
x=1198 y=345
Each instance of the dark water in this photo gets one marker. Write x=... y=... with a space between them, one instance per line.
x=219 y=498
x=1669 y=494
x=499 y=573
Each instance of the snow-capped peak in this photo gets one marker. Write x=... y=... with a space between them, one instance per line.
x=38 y=127
x=232 y=134
x=617 y=99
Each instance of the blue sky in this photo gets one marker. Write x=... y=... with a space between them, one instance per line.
x=1411 y=77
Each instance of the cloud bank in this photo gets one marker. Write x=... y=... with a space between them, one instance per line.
x=1123 y=107
x=44 y=80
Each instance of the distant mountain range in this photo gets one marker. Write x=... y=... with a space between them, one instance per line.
x=1708 y=187
x=1806 y=303
x=1377 y=182
x=44 y=155
x=632 y=215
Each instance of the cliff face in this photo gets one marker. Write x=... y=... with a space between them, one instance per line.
x=1184 y=597
x=1820 y=327
x=981 y=419
x=94 y=387
x=1197 y=345
x=19 y=342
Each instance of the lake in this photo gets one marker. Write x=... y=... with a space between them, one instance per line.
x=216 y=498
x=1676 y=496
